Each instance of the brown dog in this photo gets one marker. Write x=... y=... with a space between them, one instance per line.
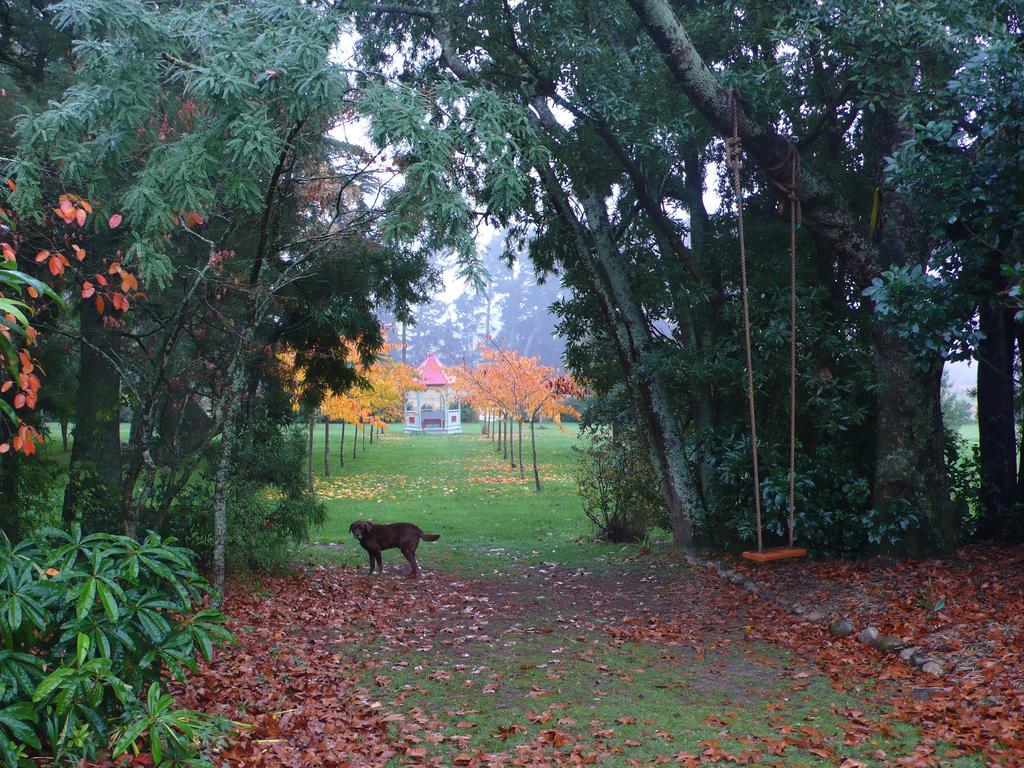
x=375 y=537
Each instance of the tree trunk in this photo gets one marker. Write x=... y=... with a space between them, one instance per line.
x=512 y=442
x=663 y=435
x=702 y=398
x=341 y=446
x=236 y=379
x=364 y=436
x=11 y=521
x=602 y=265
x=664 y=438
x=93 y=493
x=910 y=462
x=1018 y=519
x=371 y=433
x=997 y=441
x=533 y=449
x=64 y=433
x=309 y=451
x=355 y=438
x=522 y=473
x=327 y=446
x=825 y=209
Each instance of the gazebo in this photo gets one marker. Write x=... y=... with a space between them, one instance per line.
x=434 y=409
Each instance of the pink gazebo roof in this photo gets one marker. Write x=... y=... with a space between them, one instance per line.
x=431 y=373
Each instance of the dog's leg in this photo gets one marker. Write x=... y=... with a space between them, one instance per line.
x=380 y=562
x=373 y=560
x=410 y=555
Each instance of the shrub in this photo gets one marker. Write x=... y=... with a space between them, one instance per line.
x=269 y=508
x=90 y=624
x=617 y=485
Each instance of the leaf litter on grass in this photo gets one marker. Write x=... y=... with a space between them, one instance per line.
x=546 y=669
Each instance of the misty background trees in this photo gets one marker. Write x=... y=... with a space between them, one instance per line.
x=514 y=307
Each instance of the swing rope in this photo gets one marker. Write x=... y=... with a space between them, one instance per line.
x=734 y=159
x=794 y=224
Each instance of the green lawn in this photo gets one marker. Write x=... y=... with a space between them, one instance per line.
x=969 y=432
x=488 y=515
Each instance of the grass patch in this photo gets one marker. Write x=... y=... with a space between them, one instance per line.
x=489 y=516
x=634 y=703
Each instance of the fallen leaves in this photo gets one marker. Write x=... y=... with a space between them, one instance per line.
x=967 y=609
x=308 y=690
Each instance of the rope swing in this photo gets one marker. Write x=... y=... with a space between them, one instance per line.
x=734 y=159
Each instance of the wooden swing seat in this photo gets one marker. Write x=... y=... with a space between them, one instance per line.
x=775 y=553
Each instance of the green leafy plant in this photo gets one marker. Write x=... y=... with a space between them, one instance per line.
x=89 y=622
x=930 y=600
x=172 y=733
x=617 y=485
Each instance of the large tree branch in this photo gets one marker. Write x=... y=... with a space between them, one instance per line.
x=824 y=211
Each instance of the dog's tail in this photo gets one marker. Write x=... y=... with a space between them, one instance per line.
x=430 y=536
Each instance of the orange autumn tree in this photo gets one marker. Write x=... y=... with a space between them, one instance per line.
x=389 y=380
x=342 y=408
x=381 y=397
x=488 y=388
x=519 y=388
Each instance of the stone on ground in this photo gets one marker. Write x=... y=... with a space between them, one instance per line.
x=843 y=628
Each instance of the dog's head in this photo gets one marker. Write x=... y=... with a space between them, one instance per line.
x=360 y=528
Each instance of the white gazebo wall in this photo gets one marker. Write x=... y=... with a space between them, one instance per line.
x=434 y=410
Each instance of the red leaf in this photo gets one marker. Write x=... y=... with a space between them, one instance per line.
x=88 y=289
x=115 y=221
x=100 y=304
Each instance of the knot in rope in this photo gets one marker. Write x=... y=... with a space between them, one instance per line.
x=733 y=146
